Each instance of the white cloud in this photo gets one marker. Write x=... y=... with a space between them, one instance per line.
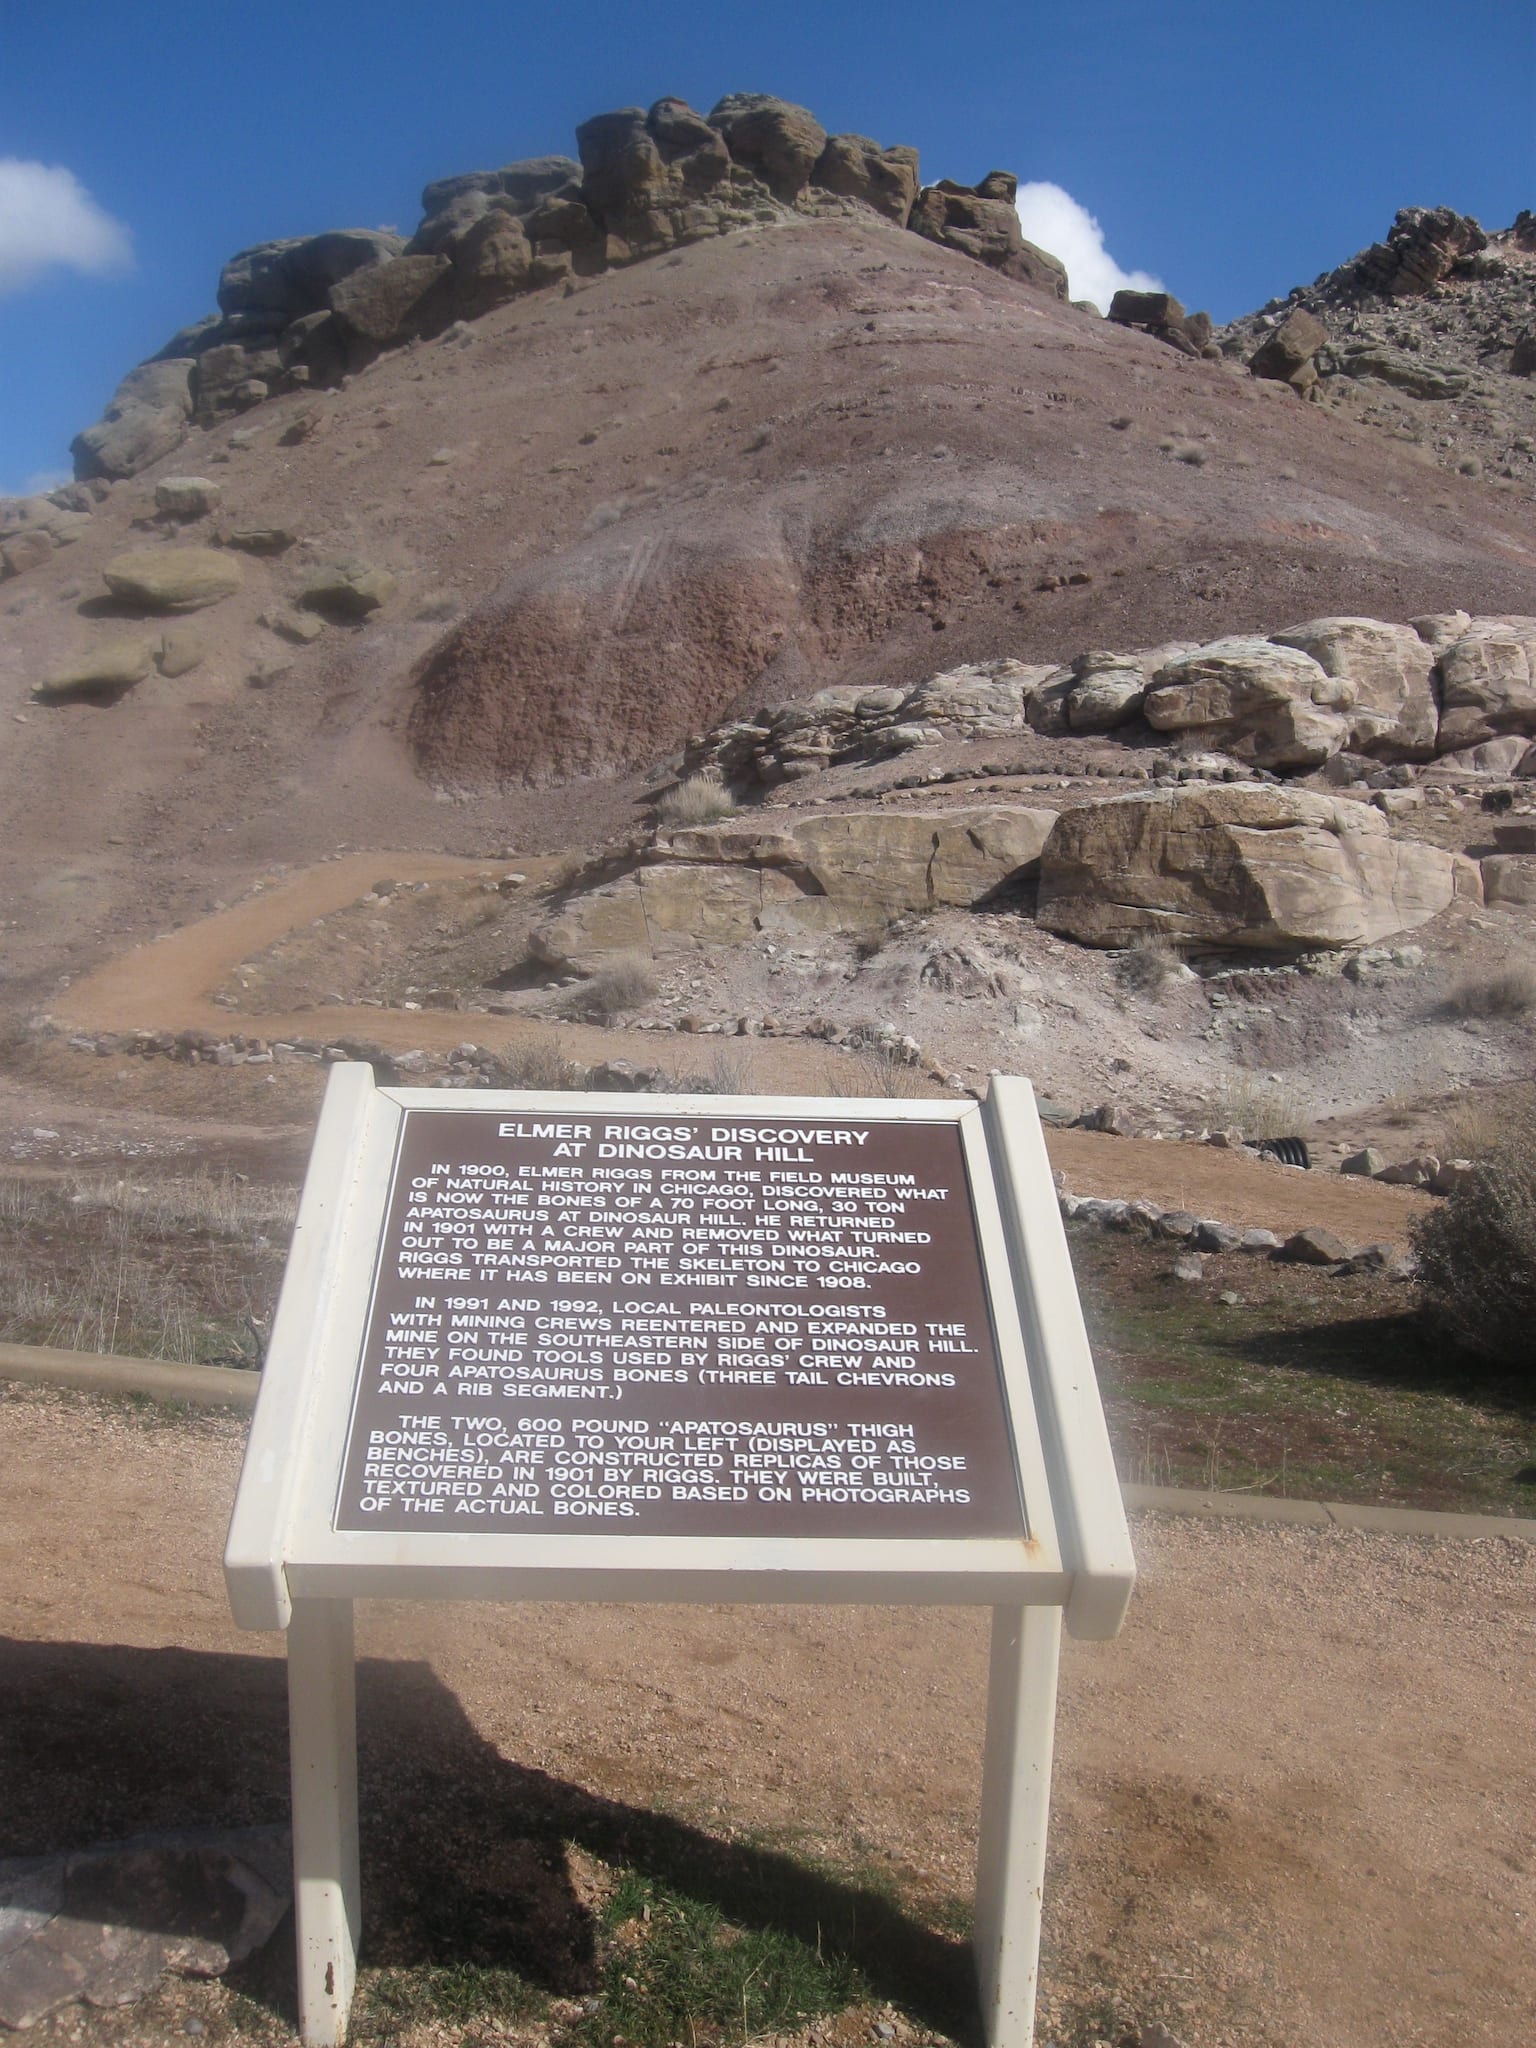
x=1054 y=221
x=48 y=219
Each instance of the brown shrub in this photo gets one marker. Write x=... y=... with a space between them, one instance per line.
x=1477 y=1251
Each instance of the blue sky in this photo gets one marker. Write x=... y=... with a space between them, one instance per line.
x=1231 y=151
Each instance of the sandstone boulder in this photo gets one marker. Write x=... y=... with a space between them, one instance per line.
x=1107 y=692
x=1488 y=683
x=1286 y=354
x=1393 y=716
x=982 y=223
x=277 y=282
x=857 y=168
x=186 y=497
x=716 y=884
x=28 y=549
x=1267 y=705
x=172 y=579
x=388 y=302
x=654 y=179
x=347 y=588
x=104 y=670
x=179 y=653
x=492 y=262
x=146 y=420
x=1238 y=864
x=774 y=139
x=1510 y=878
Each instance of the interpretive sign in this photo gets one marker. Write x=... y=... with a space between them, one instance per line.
x=690 y=1326
x=596 y=1347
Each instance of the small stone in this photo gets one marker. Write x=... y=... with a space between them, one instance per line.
x=1177 y=1223
x=1156 y=2035
x=1258 y=1241
x=179 y=654
x=186 y=497
x=172 y=579
x=351 y=588
x=1418 y=1172
x=1368 y=1162
x=299 y=627
x=1228 y=1299
x=110 y=666
x=1211 y=1236
x=1314 y=1247
x=260 y=540
x=1189 y=1266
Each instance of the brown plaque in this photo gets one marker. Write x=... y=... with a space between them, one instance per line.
x=591 y=1322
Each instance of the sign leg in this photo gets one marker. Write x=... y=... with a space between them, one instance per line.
x=322 y=1750
x=1015 y=1813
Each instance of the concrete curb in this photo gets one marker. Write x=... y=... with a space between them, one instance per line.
x=1326 y=1514
x=217 y=1386
x=94 y=1372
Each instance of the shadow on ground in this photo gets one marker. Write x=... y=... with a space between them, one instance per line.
x=465 y=1857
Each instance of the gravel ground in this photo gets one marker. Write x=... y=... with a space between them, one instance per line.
x=1292 y=1802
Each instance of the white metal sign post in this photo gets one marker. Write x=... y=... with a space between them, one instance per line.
x=716 y=1348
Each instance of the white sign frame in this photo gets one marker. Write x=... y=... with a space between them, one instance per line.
x=287 y=1568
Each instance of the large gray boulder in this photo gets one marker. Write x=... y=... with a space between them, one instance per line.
x=278 y=282
x=1488 y=683
x=1240 y=864
x=451 y=205
x=146 y=420
x=1394 y=716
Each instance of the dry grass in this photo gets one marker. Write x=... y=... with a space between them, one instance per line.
x=1507 y=992
x=1259 y=1108
x=701 y=800
x=1147 y=966
x=540 y=1066
x=627 y=983
x=184 y=1269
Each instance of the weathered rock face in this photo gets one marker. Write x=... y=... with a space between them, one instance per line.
x=655 y=179
x=1488 y=683
x=1268 y=705
x=1239 y=864
x=1394 y=716
x=982 y=223
x=268 y=287
x=1509 y=878
x=147 y=419
x=388 y=302
x=1423 y=245
x=856 y=168
x=776 y=140
x=854 y=871
x=172 y=579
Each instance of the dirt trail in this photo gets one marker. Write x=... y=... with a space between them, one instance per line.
x=1292 y=1802
x=165 y=986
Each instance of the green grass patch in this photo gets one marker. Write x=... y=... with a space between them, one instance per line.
x=674 y=1968
x=1310 y=1386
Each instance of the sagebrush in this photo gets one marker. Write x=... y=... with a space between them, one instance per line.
x=624 y=984
x=1477 y=1251
x=700 y=800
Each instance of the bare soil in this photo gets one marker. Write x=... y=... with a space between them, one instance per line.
x=1292 y=1802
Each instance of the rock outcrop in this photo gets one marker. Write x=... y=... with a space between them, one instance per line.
x=982 y=222
x=1162 y=316
x=853 y=871
x=1239 y=864
x=309 y=310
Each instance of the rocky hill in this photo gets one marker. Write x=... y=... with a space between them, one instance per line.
x=1430 y=336
x=731 y=455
